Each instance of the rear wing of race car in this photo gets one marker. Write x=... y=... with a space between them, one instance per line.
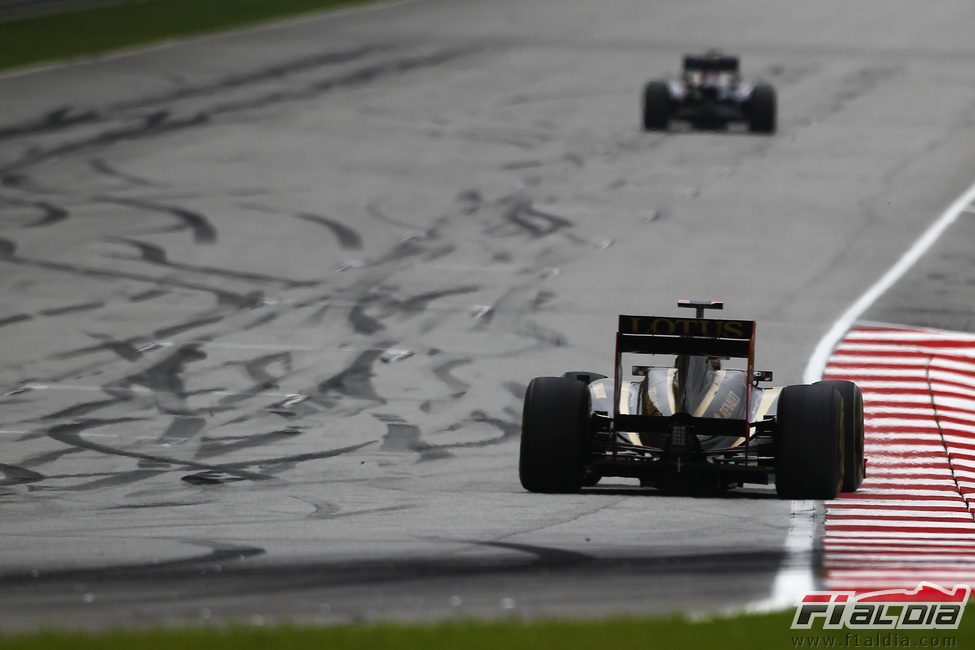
x=714 y=63
x=683 y=337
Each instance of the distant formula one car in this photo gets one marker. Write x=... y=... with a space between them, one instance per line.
x=710 y=94
x=691 y=423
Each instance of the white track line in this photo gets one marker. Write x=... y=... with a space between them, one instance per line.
x=820 y=356
x=160 y=45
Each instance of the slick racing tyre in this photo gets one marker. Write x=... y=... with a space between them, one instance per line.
x=656 y=106
x=809 y=442
x=854 y=467
x=762 y=109
x=554 y=435
x=583 y=375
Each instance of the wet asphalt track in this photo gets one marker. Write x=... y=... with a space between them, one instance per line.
x=271 y=300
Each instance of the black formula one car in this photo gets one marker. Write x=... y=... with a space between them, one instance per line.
x=710 y=94
x=691 y=423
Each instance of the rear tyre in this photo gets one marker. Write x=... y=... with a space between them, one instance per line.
x=762 y=109
x=854 y=468
x=656 y=106
x=554 y=435
x=584 y=376
x=809 y=442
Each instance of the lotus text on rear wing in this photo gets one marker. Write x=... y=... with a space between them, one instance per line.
x=707 y=327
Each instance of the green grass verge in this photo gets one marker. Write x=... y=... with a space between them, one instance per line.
x=755 y=632
x=86 y=32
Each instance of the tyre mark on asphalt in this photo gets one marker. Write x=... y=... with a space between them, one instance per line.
x=126 y=350
x=52 y=312
x=545 y=335
x=261 y=321
x=102 y=166
x=154 y=254
x=363 y=323
x=8 y=253
x=354 y=382
x=456 y=386
x=44 y=458
x=65 y=117
x=547 y=556
x=197 y=222
x=150 y=294
x=329 y=510
x=404 y=437
x=268 y=73
x=537 y=223
x=860 y=83
x=51 y=213
x=77 y=410
x=348 y=238
x=421 y=301
x=54 y=120
x=71 y=309
x=16 y=318
x=363 y=75
x=164 y=380
x=375 y=210
x=246 y=301
x=220 y=552
x=181 y=429
x=71 y=434
x=276 y=464
x=14 y=475
x=256 y=579
x=114 y=480
x=210 y=446
x=161 y=121
x=510 y=429
x=151 y=125
x=257 y=370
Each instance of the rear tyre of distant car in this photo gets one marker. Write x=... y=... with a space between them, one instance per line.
x=762 y=109
x=854 y=466
x=554 y=435
x=809 y=444
x=657 y=106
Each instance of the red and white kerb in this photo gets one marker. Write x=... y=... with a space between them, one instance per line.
x=913 y=519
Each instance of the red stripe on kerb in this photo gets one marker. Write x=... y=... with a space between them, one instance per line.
x=914 y=477
x=845 y=506
x=857 y=368
x=906 y=353
x=909 y=343
x=908 y=530
x=905 y=429
x=911 y=552
x=887 y=496
x=963 y=517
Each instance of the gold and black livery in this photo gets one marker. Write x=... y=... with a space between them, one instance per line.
x=692 y=421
